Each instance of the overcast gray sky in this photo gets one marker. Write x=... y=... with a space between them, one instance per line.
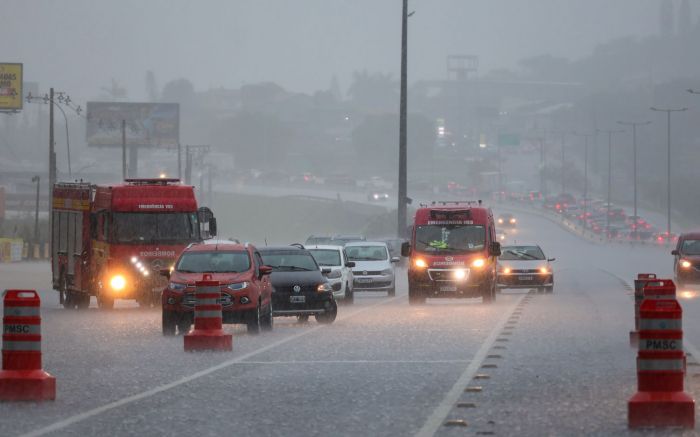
x=78 y=45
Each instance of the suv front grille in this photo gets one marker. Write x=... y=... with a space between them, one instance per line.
x=189 y=300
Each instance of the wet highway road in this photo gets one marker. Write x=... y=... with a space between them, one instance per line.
x=531 y=364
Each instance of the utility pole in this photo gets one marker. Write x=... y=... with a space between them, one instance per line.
x=634 y=162
x=36 y=179
x=610 y=133
x=668 y=112
x=402 y=192
x=124 y=175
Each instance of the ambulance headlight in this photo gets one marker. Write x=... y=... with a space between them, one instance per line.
x=117 y=282
x=460 y=274
x=478 y=263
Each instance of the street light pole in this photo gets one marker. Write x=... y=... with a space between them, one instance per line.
x=610 y=133
x=36 y=179
x=634 y=161
x=402 y=192
x=585 y=178
x=668 y=112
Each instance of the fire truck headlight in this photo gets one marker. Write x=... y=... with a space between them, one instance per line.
x=460 y=274
x=134 y=260
x=145 y=273
x=686 y=264
x=421 y=264
x=117 y=282
x=478 y=263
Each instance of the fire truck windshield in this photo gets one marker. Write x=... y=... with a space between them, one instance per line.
x=450 y=238
x=133 y=227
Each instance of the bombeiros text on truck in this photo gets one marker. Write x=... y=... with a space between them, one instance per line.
x=453 y=252
x=112 y=241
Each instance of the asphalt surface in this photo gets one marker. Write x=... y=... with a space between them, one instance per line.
x=530 y=364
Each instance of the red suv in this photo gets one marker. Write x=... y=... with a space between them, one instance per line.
x=246 y=292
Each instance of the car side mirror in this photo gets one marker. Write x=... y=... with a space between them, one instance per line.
x=395 y=259
x=551 y=259
x=350 y=264
x=165 y=273
x=496 y=248
x=675 y=252
x=405 y=248
x=212 y=226
x=264 y=270
x=325 y=271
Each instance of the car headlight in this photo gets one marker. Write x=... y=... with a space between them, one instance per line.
x=117 y=282
x=686 y=264
x=335 y=274
x=544 y=270
x=506 y=270
x=500 y=221
x=387 y=272
x=478 y=263
x=512 y=221
x=237 y=286
x=176 y=286
x=421 y=264
x=323 y=287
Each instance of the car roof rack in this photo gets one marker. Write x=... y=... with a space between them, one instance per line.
x=299 y=245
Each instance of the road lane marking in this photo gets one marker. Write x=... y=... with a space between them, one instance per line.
x=184 y=380
x=360 y=362
x=438 y=417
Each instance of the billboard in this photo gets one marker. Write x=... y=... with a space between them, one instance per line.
x=11 y=95
x=147 y=124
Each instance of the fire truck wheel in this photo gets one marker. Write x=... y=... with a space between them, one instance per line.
x=168 y=323
x=302 y=318
x=415 y=297
x=105 y=302
x=488 y=292
x=69 y=301
x=267 y=321
x=253 y=322
x=83 y=301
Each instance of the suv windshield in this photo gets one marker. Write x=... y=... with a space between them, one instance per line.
x=367 y=253
x=326 y=257
x=137 y=227
x=450 y=238
x=289 y=260
x=691 y=247
x=213 y=262
x=512 y=253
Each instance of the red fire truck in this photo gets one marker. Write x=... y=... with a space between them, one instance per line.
x=112 y=241
x=453 y=252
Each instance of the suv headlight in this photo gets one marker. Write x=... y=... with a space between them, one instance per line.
x=387 y=272
x=323 y=287
x=176 y=286
x=237 y=286
x=335 y=274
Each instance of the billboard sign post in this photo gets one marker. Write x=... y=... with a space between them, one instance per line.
x=148 y=125
x=11 y=96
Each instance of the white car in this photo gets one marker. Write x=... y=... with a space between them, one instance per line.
x=374 y=267
x=334 y=261
x=525 y=266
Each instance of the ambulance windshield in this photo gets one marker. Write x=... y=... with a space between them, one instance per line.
x=450 y=238
x=155 y=227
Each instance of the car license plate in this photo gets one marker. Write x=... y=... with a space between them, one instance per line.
x=364 y=280
x=297 y=299
x=526 y=278
x=448 y=288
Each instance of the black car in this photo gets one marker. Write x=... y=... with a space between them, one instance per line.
x=299 y=287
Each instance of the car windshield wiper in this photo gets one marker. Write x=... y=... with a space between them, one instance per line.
x=304 y=269
x=187 y=271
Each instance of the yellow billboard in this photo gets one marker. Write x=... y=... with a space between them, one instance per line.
x=11 y=97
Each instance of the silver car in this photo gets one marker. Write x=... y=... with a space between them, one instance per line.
x=337 y=268
x=374 y=267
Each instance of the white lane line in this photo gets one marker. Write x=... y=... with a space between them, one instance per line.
x=154 y=391
x=438 y=417
x=360 y=362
